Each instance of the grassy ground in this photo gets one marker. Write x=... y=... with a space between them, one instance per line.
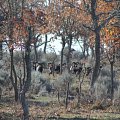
x=48 y=108
x=9 y=110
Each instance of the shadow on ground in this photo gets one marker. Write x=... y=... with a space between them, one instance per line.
x=53 y=118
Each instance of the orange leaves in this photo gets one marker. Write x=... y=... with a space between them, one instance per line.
x=110 y=36
x=111 y=33
x=28 y=17
x=103 y=10
x=19 y=30
x=40 y=17
x=41 y=23
x=34 y=18
x=63 y=18
x=105 y=7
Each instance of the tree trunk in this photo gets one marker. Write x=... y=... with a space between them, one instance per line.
x=10 y=34
x=61 y=61
x=84 y=47
x=62 y=50
x=24 y=68
x=58 y=95
x=79 y=94
x=112 y=80
x=16 y=94
x=0 y=92
x=53 y=68
x=45 y=46
x=24 y=106
x=92 y=52
x=97 y=59
x=28 y=77
x=67 y=93
x=97 y=42
x=80 y=89
x=14 y=83
x=78 y=102
x=20 y=82
x=1 y=52
x=36 y=54
x=69 y=52
x=87 y=48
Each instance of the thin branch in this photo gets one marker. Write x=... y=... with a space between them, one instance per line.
x=80 y=45
x=87 y=7
x=88 y=27
x=107 y=20
x=44 y=42
x=72 y=5
x=102 y=13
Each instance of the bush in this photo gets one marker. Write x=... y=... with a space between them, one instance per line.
x=40 y=83
x=117 y=93
x=48 y=87
x=17 y=57
x=4 y=77
x=105 y=72
x=103 y=84
x=62 y=80
x=77 y=55
x=66 y=77
x=102 y=87
x=116 y=101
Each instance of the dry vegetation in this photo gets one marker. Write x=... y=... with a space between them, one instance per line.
x=27 y=94
x=43 y=107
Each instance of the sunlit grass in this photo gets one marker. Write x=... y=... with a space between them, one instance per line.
x=44 y=99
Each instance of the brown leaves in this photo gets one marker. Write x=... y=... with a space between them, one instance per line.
x=111 y=33
x=19 y=30
x=28 y=17
x=102 y=5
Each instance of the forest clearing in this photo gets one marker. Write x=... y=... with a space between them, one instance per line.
x=59 y=59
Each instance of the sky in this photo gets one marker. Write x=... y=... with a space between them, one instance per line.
x=56 y=45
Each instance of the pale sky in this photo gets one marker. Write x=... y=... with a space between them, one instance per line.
x=57 y=45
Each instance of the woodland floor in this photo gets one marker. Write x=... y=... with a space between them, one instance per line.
x=48 y=108
x=52 y=110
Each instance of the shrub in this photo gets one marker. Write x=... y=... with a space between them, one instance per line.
x=117 y=93
x=66 y=77
x=40 y=83
x=105 y=72
x=62 y=81
x=4 y=77
x=48 y=87
x=77 y=55
x=103 y=84
x=17 y=57
x=102 y=87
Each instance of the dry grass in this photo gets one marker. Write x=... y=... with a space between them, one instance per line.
x=14 y=111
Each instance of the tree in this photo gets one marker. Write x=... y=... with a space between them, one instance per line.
x=4 y=78
x=21 y=22
x=110 y=36
x=99 y=18
x=46 y=40
x=26 y=84
x=64 y=22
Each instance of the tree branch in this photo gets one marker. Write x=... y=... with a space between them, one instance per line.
x=72 y=5
x=88 y=27
x=107 y=20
